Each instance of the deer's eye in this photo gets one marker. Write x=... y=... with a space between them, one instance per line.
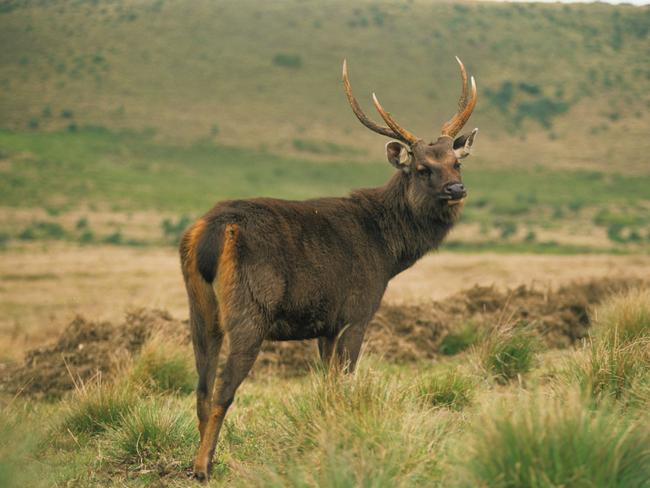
x=457 y=166
x=423 y=170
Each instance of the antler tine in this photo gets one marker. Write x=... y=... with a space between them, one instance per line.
x=356 y=108
x=405 y=135
x=465 y=106
x=462 y=101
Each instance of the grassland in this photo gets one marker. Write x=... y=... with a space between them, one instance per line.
x=96 y=186
x=518 y=415
x=559 y=85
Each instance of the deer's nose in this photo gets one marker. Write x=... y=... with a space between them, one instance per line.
x=456 y=191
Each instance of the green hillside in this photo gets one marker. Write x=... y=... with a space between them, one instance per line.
x=560 y=85
x=120 y=120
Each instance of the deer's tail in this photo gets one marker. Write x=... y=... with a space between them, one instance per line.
x=204 y=313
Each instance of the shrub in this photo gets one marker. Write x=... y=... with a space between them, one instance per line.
x=173 y=229
x=450 y=390
x=42 y=230
x=508 y=352
x=164 y=367
x=114 y=238
x=459 y=340
x=284 y=60
x=555 y=442
x=157 y=435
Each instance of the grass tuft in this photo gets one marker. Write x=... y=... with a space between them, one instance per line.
x=509 y=352
x=450 y=389
x=624 y=318
x=157 y=435
x=163 y=366
x=541 y=442
x=95 y=409
x=615 y=364
x=459 y=340
x=362 y=430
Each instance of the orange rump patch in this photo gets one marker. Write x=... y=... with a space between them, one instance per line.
x=196 y=285
x=226 y=271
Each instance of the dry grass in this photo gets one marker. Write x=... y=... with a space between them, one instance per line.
x=43 y=287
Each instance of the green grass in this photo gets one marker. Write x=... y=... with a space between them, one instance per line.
x=164 y=367
x=614 y=364
x=459 y=339
x=156 y=435
x=624 y=319
x=126 y=171
x=93 y=409
x=558 y=442
x=508 y=352
x=279 y=78
x=451 y=389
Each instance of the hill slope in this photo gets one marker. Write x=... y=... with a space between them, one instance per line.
x=559 y=85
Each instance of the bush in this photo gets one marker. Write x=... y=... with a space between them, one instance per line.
x=509 y=352
x=558 y=442
x=284 y=60
x=173 y=230
x=459 y=340
x=157 y=435
x=42 y=230
x=164 y=367
x=114 y=238
x=450 y=390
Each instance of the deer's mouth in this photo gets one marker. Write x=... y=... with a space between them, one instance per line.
x=452 y=200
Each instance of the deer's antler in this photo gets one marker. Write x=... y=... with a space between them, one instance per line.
x=393 y=130
x=465 y=106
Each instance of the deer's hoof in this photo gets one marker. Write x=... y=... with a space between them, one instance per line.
x=201 y=474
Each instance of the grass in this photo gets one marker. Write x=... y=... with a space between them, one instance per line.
x=427 y=424
x=508 y=352
x=459 y=339
x=93 y=409
x=451 y=389
x=614 y=364
x=96 y=170
x=163 y=367
x=155 y=435
x=279 y=79
x=541 y=442
x=624 y=318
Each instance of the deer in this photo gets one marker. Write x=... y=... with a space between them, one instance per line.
x=269 y=269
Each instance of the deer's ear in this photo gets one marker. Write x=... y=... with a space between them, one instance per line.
x=399 y=155
x=463 y=144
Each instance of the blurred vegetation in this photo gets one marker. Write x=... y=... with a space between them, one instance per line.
x=128 y=171
x=554 y=80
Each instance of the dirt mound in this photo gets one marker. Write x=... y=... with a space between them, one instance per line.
x=400 y=333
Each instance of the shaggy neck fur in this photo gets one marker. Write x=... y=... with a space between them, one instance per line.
x=409 y=228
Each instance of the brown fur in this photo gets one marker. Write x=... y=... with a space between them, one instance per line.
x=316 y=269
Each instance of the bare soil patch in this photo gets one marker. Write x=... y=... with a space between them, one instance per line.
x=402 y=333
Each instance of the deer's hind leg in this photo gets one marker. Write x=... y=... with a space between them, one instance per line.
x=245 y=332
x=245 y=327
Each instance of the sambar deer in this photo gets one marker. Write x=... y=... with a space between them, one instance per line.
x=268 y=269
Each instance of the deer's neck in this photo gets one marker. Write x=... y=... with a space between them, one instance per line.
x=408 y=231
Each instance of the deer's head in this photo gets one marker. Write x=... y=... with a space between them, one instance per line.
x=432 y=169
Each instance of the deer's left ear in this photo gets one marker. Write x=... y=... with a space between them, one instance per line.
x=463 y=144
x=399 y=155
